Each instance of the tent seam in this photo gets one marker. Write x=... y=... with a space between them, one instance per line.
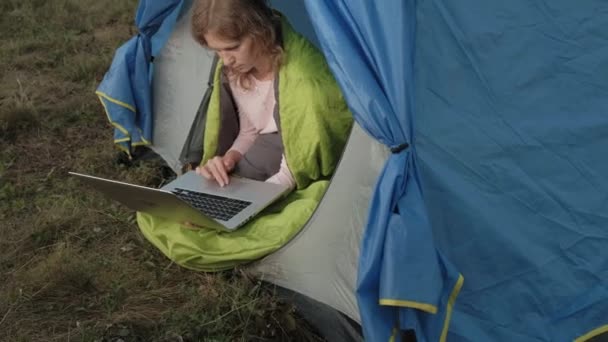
x=113 y=100
x=409 y=304
x=593 y=333
x=451 y=301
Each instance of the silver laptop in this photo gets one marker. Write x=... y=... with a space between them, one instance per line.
x=192 y=198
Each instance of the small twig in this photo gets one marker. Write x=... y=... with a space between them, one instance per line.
x=48 y=175
x=6 y=314
x=228 y=313
x=22 y=96
x=256 y=296
x=16 y=241
x=168 y=266
x=37 y=292
x=76 y=236
x=278 y=324
x=49 y=246
x=105 y=213
x=22 y=266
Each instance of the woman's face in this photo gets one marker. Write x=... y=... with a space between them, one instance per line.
x=238 y=55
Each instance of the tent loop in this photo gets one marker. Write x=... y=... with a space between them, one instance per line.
x=145 y=38
x=399 y=148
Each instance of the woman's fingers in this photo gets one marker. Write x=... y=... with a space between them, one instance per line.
x=202 y=170
x=218 y=170
x=221 y=169
x=212 y=169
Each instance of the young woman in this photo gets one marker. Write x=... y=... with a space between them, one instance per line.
x=275 y=114
x=281 y=116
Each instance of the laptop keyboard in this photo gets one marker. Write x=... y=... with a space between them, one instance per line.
x=218 y=207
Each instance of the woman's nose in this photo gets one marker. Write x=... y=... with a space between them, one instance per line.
x=226 y=58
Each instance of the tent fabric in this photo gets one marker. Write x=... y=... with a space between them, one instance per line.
x=321 y=261
x=511 y=127
x=125 y=91
x=180 y=79
x=369 y=46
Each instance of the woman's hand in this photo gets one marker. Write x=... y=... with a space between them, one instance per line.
x=218 y=168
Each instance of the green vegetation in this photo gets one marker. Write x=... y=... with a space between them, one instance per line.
x=73 y=265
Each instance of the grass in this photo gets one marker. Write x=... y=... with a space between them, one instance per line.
x=73 y=264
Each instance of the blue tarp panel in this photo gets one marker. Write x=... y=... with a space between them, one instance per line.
x=511 y=126
x=295 y=11
x=504 y=104
x=403 y=281
x=125 y=91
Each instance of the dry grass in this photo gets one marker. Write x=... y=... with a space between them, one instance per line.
x=73 y=265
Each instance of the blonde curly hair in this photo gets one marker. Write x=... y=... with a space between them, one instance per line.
x=234 y=20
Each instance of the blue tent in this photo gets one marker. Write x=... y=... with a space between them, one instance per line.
x=125 y=91
x=489 y=219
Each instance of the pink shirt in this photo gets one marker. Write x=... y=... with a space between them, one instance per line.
x=256 y=107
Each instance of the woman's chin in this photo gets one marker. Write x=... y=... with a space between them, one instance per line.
x=243 y=69
x=239 y=70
